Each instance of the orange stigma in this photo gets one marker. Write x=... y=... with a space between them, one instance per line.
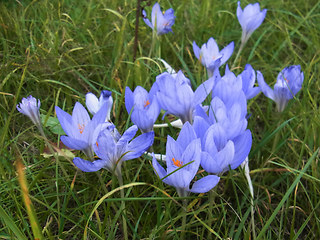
x=81 y=127
x=97 y=144
x=286 y=80
x=177 y=163
x=146 y=103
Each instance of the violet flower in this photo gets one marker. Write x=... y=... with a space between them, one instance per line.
x=161 y=23
x=30 y=107
x=248 y=79
x=144 y=107
x=183 y=159
x=80 y=129
x=250 y=18
x=210 y=56
x=94 y=104
x=176 y=96
x=113 y=151
x=289 y=83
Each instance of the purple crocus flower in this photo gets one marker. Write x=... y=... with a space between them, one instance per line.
x=219 y=152
x=112 y=150
x=144 y=107
x=94 y=104
x=80 y=129
x=30 y=107
x=250 y=18
x=176 y=96
x=248 y=79
x=210 y=56
x=161 y=23
x=289 y=83
x=183 y=156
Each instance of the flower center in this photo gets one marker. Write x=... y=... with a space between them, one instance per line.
x=81 y=128
x=146 y=103
x=286 y=79
x=177 y=163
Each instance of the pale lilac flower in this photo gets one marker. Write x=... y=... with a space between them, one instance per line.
x=250 y=18
x=248 y=79
x=30 y=107
x=210 y=56
x=143 y=107
x=113 y=151
x=94 y=104
x=183 y=156
x=176 y=96
x=289 y=83
x=81 y=131
x=161 y=23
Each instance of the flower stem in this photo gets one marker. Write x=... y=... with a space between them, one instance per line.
x=123 y=204
x=238 y=53
x=184 y=218
x=247 y=174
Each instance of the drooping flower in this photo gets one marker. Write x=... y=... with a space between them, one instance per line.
x=289 y=83
x=161 y=23
x=210 y=56
x=176 y=96
x=143 y=107
x=30 y=107
x=183 y=159
x=250 y=18
x=80 y=129
x=113 y=151
x=94 y=104
x=248 y=79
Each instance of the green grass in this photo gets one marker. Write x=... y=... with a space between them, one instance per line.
x=59 y=50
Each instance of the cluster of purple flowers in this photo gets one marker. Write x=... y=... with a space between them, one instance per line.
x=214 y=137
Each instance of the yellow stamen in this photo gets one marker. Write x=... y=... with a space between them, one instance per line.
x=146 y=103
x=177 y=163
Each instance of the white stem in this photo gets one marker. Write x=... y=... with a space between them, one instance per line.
x=245 y=166
x=177 y=124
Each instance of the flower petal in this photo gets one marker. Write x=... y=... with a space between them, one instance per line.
x=205 y=184
x=138 y=146
x=87 y=166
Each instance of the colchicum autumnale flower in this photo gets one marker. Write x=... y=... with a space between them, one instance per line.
x=248 y=79
x=80 y=129
x=94 y=104
x=183 y=156
x=112 y=150
x=144 y=107
x=161 y=23
x=210 y=56
x=250 y=18
x=30 y=107
x=176 y=96
x=289 y=83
